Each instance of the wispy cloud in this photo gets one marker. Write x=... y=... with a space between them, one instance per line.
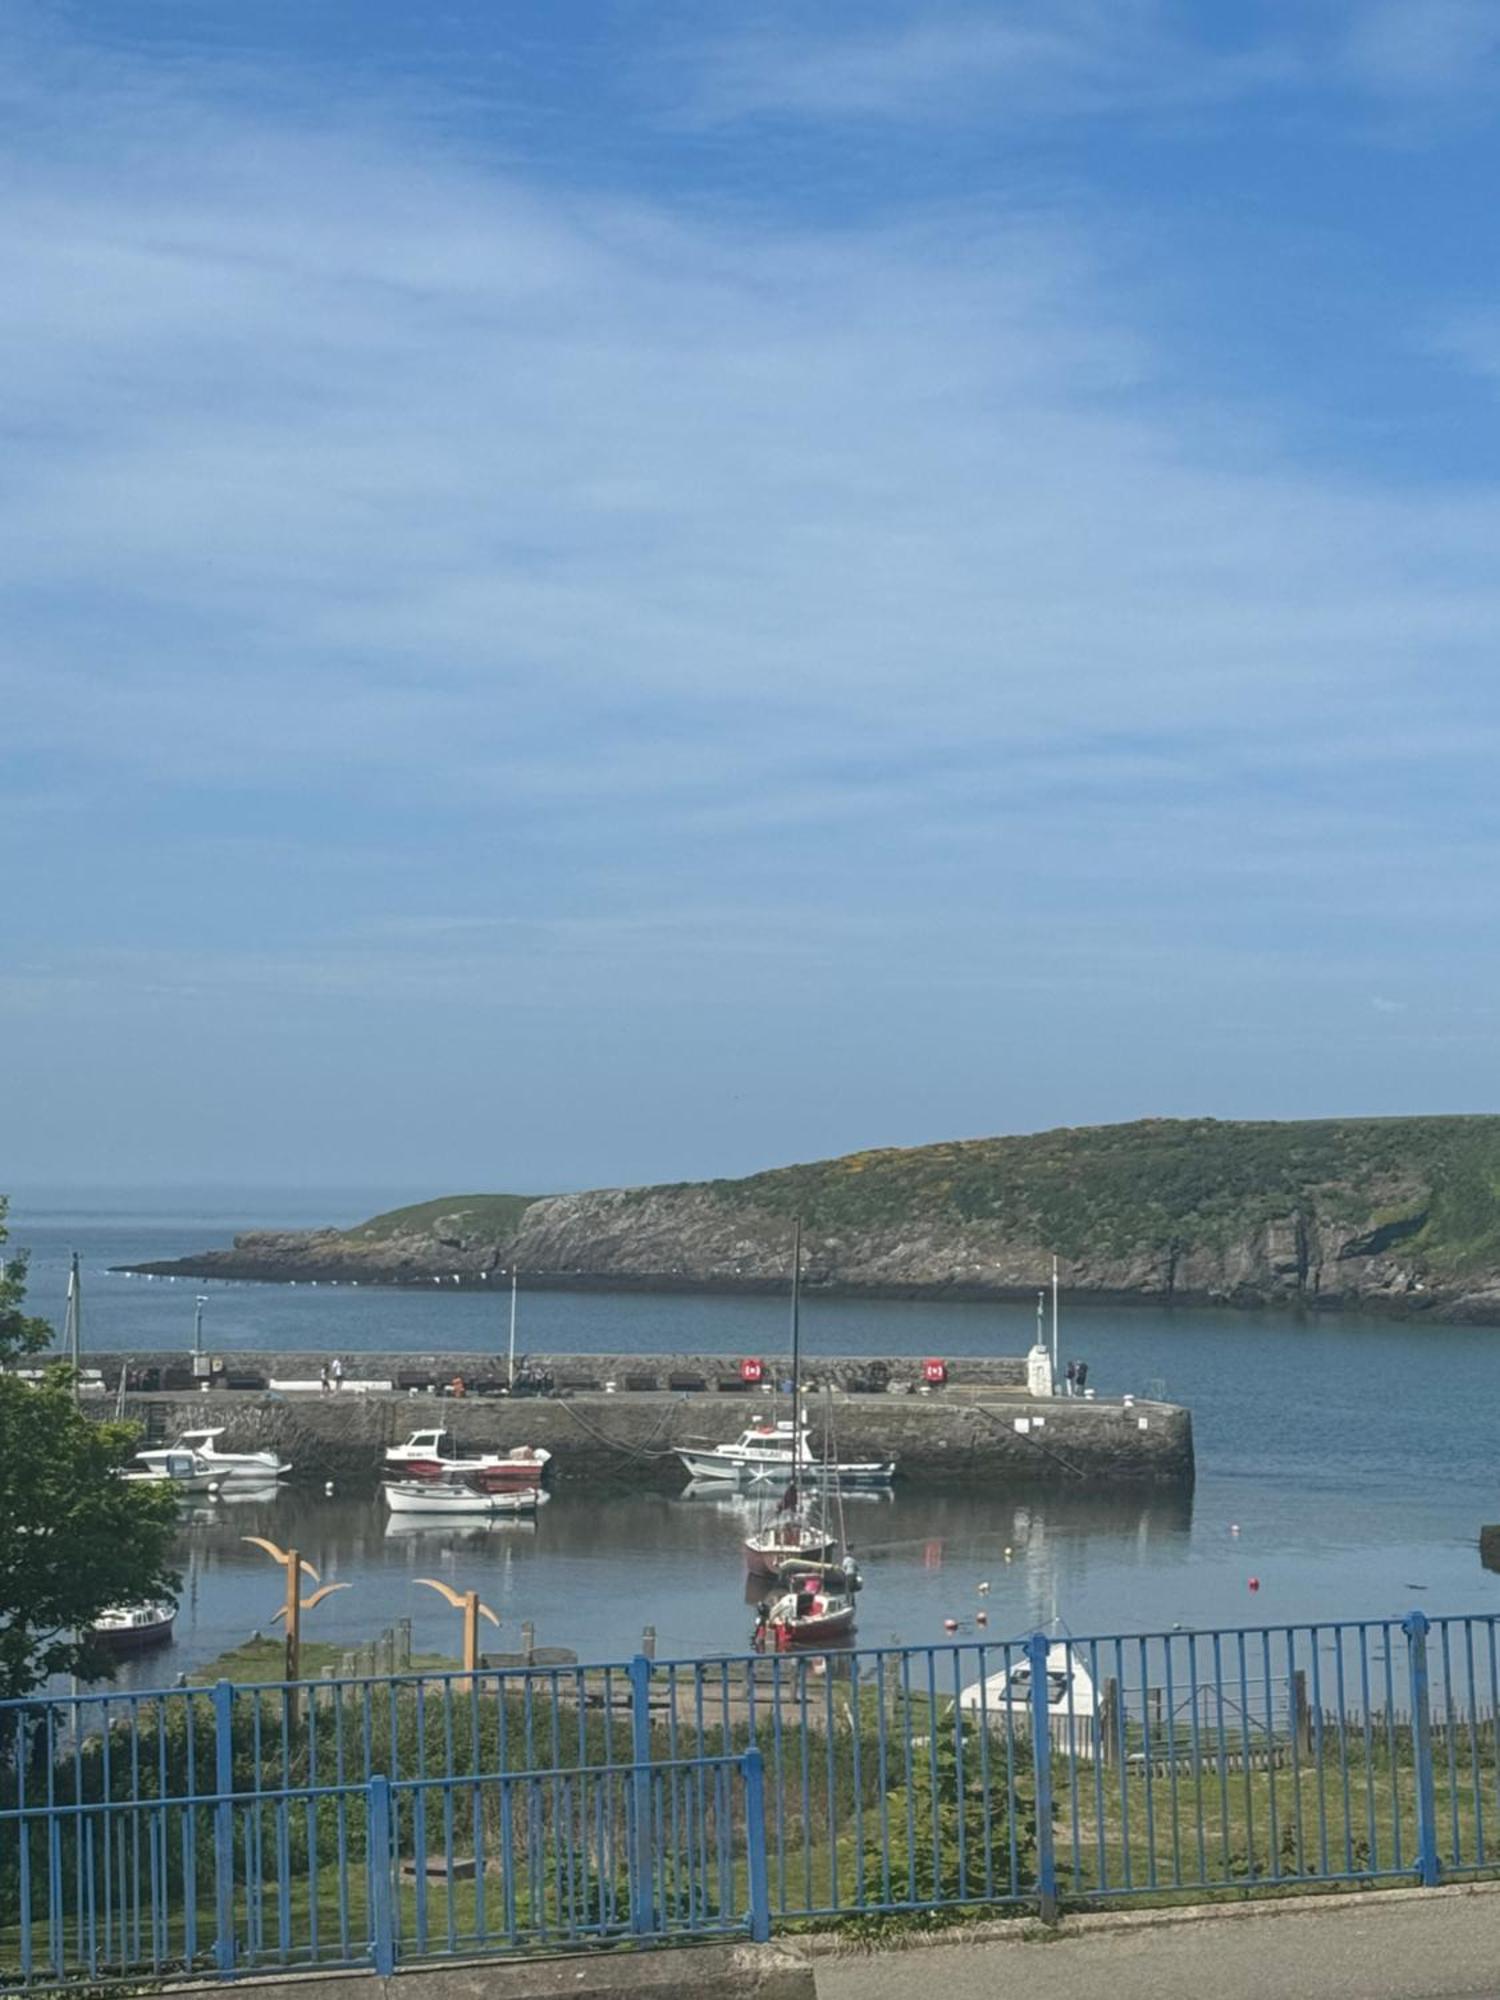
x=1018 y=62
x=433 y=585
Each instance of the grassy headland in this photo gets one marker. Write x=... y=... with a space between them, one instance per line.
x=1400 y=1213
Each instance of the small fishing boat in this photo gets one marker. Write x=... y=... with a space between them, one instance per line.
x=459 y=1494
x=1005 y=1699
x=226 y=1466
x=777 y=1451
x=432 y=1454
x=815 y=1607
x=131 y=1628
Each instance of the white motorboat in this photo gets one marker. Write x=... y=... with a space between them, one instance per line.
x=237 y=1467
x=779 y=1451
x=459 y=1495
x=131 y=1628
x=183 y=1470
x=433 y=1454
x=1005 y=1698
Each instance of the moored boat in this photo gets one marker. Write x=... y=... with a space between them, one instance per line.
x=778 y=1451
x=226 y=1466
x=794 y=1533
x=131 y=1628
x=184 y=1470
x=459 y=1494
x=814 y=1607
x=433 y=1454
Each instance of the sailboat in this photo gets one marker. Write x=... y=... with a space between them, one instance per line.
x=815 y=1605
x=782 y=1450
x=793 y=1533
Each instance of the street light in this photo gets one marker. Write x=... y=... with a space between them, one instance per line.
x=200 y=1302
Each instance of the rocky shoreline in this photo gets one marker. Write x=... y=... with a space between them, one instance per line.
x=1394 y=1216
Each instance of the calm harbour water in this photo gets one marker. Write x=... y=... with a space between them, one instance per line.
x=1355 y=1458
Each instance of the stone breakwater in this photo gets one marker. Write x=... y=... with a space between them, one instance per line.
x=971 y=1431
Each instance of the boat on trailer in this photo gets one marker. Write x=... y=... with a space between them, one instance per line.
x=1005 y=1699
x=240 y=1467
x=434 y=1454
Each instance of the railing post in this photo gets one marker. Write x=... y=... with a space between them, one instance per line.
x=379 y=1848
x=223 y=1704
x=753 y=1766
x=1429 y=1868
x=1037 y=1648
x=642 y=1900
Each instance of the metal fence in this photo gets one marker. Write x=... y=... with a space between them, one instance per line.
x=379 y=1821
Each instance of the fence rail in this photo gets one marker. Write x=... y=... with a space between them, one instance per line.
x=361 y=1821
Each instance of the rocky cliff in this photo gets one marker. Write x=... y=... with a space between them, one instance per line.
x=1398 y=1213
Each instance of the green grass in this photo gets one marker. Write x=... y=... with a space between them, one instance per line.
x=489 y=1217
x=261 y=1661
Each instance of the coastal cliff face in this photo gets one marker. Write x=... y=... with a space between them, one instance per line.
x=1400 y=1214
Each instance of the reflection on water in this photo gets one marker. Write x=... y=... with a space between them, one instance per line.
x=591 y=1575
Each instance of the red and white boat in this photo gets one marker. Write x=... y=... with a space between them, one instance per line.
x=815 y=1607
x=435 y=1454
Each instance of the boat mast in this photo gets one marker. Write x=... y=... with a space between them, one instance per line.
x=796 y=1355
x=73 y=1325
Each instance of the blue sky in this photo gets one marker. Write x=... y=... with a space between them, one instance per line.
x=613 y=592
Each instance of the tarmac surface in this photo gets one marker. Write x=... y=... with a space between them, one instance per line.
x=1441 y=1945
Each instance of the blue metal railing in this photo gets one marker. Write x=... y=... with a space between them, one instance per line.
x=359 y=1822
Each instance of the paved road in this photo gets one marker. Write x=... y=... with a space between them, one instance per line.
x=1443 y=1948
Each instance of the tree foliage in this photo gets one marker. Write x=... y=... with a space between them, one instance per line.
x=75 y=1538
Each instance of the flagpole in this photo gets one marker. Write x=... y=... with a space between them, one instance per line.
x=514 y=1276
x=1054 y=1318
x=74 y=1327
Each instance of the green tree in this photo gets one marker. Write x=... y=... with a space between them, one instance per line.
x=75 y=1538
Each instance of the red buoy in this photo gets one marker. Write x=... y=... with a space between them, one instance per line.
x=1255 y=1583
x=950 y=1624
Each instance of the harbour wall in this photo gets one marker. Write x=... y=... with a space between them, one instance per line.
x=969 y=1432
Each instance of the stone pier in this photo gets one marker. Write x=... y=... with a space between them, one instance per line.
x=616 y=1419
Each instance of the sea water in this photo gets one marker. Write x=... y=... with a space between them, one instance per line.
x=1344 y=1464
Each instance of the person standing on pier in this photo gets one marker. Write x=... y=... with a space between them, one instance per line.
x=337 y=1371
x=1072 y=1377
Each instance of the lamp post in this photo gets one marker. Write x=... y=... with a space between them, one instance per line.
x=468 y=1603
x=198 y=1304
